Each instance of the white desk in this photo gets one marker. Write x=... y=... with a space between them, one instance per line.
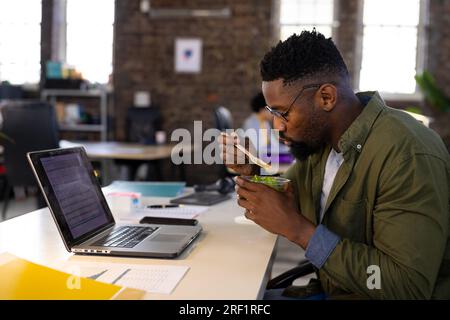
x=127 y=151
x=107 y=152
x=228 y=260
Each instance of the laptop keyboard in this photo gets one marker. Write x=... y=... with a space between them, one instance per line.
x=125 y=237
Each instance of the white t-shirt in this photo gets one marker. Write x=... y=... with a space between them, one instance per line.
x=334 y=162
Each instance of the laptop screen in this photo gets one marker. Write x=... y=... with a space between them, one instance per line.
x=75 y=193
x=72 y=191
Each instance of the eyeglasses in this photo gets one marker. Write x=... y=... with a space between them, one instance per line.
x=283 y=115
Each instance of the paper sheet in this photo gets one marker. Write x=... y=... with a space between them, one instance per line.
x=151 y=278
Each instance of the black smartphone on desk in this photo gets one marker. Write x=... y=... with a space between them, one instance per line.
x=169 y=221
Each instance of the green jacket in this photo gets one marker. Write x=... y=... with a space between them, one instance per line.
x=389 y=204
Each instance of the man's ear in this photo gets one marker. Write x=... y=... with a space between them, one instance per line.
x=327 y=96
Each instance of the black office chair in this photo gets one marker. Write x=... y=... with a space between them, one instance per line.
x=142 y=124
x=223 y=118
x=287 y=278
x=222 y=121
x=30 y=126
x=10 y=92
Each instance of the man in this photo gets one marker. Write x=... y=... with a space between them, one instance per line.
x=261 y=118
x=370 y=189
x=261 y=122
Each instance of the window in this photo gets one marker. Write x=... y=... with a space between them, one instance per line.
x=20 y=41
x=297 y=15
x=90 y=38
x=391 y=48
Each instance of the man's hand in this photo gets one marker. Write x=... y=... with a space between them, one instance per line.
x=274 y=211
x=235 y=159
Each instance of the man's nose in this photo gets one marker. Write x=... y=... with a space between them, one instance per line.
x=279 y=124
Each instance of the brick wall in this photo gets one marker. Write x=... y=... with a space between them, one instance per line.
x=46 y=35
x=438 y=62
x=232 y=49
x=438 y=53
x=348 y=33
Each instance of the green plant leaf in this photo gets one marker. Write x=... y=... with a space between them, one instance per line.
x=434 y=95
x=414 y=110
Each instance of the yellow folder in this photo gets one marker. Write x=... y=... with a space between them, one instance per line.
x=24 y=280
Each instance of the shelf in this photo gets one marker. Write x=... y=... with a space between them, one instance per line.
x=73 y=93
x=102 y=94
x=82 y=127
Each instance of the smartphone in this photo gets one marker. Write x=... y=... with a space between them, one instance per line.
x=169 y=221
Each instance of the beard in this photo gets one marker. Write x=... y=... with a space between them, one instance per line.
x=301 y=150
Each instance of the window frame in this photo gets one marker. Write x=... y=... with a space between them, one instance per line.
x=421 y=51
x=334 y=23
x=27 y=84
x=60 y=34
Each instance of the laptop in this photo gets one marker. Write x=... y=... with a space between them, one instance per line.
x=84 y=220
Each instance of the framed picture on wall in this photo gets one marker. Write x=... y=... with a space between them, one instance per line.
x=188 y=55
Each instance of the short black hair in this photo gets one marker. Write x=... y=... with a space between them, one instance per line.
x=258 y=102
x=302 y=56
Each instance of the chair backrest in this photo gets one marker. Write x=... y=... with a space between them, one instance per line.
x=142 y=124
x=223 y=118
x=31 y=126
x=10 y=92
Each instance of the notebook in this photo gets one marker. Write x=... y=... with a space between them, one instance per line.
x=23 y=280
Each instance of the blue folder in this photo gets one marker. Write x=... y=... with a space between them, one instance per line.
x=150 y=189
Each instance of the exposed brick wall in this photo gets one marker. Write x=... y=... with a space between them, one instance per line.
x=347 y=34
x=438 y=54
x=438 y=62
x=46 y=35
x=232 y=49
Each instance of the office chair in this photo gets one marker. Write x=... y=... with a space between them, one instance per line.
x=10 y=92
x=223 y=119
x=287 y=278
x=142 y=124
x=30 y=126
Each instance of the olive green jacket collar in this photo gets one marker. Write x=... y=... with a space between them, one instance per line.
x=355 y=136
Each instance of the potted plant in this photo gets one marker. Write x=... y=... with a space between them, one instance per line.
x=439 y=103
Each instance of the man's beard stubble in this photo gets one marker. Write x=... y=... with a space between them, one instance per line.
x=301 y=150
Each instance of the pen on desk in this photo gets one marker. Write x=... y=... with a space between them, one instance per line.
x=163 y=206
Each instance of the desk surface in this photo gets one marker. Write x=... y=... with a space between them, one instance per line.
x=228 y=261
x=127 y=151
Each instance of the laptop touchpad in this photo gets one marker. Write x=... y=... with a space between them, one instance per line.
x=168 y=237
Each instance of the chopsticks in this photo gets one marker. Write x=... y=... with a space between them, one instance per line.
x=253 y=158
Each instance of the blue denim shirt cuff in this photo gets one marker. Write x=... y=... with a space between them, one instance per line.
x=321 y=245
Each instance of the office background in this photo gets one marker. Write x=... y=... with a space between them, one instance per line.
x=131 y=49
